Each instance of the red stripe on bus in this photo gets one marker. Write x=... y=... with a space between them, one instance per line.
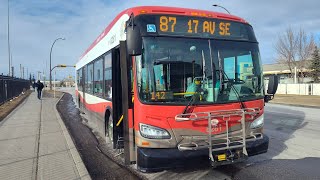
x=97 y=107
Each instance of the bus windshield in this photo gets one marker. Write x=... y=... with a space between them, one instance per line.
x=174 y=70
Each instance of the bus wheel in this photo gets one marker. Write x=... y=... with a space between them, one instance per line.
x=109 y=131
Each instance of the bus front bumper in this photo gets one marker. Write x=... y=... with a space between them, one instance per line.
x=150 y=159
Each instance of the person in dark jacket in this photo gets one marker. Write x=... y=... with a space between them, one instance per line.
x=34 y=85
x=39 y=86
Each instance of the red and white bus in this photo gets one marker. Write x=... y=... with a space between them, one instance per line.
x=168 y=84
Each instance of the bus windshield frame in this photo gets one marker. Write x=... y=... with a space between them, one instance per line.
x=172 y=70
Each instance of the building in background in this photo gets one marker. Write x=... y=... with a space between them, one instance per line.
x=68 y=82
x=291 y=83
x=285 y=75
x=54 y=83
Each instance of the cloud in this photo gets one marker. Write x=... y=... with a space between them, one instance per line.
x=36 y=24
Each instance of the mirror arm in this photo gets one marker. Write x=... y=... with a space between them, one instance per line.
x=268 y=97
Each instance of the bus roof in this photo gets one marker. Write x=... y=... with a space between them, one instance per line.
x=163 y=10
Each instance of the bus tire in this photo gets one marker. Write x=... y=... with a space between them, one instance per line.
x=109 y=129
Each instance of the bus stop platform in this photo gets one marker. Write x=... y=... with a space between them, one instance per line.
x=35 y=144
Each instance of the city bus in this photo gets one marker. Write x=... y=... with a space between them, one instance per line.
x=169 y=84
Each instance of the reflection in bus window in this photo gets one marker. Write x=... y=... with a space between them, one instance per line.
x=89 y=80
x=229 y=67
x=108 y=75
x=84 y=88
x=241 y=64
x=79 y=79
x=98 y=77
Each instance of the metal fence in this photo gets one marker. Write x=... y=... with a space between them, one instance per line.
x=11 y=87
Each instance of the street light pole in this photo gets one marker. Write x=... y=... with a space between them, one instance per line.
x=216 y=5
x=39 y=72
x=50 y=59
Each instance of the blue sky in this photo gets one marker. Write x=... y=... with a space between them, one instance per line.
x=35 y=24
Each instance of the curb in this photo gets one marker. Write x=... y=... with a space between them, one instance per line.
x=296 y=105
x=81 y=168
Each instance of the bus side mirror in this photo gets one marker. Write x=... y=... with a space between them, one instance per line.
x=134 y=40
x=272 y=87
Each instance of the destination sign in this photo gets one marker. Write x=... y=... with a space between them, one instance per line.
x=170 y=25
x=192 y=25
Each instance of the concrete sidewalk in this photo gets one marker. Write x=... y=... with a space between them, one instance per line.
x=297 y=100
x=35 y=144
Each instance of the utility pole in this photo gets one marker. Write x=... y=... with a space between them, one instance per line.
x=43 y=77
x=295 y=75
x=9 y=53
x=39 y=72
x=20 y=71
x=11 y=59
x=12 y=71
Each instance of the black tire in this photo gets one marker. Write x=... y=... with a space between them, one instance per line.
x=109 y=130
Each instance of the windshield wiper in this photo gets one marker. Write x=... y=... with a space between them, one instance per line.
x=234 y=89
x=192 y=101
x=222 y=72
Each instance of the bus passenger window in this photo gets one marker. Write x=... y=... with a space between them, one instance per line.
x=98 y=77
x=79 y=79
x=108 y=76
x=89 y=80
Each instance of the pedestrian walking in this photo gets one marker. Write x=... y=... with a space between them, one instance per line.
x=39 y=86
x=34 y=86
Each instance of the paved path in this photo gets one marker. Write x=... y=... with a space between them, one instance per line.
x=35 y=144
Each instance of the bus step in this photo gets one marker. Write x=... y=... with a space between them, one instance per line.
x=120 y=144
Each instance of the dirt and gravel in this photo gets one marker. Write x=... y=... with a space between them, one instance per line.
x=9 y=106
x=297 y=100
x=99 y=165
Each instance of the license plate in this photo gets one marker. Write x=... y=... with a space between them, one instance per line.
x=222 y=157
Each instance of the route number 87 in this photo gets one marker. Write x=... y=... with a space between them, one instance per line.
x=165 y=22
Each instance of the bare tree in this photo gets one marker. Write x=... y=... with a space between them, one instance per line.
x=305 y=49
x=294 y=49
x=286 y=49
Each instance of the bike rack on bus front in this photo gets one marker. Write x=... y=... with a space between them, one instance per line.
x=228 y=140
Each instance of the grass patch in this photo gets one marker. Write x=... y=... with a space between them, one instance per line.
x=9 y=106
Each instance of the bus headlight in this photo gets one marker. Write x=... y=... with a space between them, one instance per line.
x=152 y=132
x=257 y=123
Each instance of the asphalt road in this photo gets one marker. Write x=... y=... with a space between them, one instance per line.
x=294 y=150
